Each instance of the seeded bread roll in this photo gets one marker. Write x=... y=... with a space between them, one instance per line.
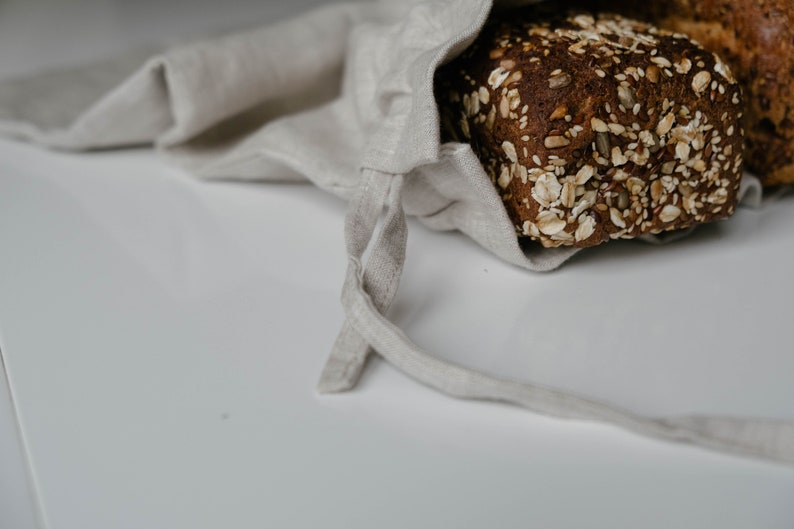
x=757 y=40
x=596 y=129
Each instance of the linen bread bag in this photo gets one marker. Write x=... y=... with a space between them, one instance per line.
x=353 y=111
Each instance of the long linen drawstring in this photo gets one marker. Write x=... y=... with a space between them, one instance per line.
x=370 y=287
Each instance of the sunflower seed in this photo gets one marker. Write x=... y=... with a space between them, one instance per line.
x=626 y=96
x=602 y=143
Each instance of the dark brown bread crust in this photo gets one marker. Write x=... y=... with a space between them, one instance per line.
x=756 y=38
x=594 y=130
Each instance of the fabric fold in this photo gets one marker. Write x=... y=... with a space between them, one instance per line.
x=184 y=92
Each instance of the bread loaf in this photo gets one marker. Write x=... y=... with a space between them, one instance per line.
x=757 y=40
x=596 y=128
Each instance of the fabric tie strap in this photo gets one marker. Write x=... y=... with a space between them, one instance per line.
x=369 y=290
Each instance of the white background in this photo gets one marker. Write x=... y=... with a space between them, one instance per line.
x=162 y=338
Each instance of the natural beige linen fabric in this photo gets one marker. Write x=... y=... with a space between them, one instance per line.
x=343 y=97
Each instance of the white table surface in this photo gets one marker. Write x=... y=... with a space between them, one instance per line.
x=161 y=339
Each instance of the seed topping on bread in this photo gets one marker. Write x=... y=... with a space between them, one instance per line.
x=597 y=128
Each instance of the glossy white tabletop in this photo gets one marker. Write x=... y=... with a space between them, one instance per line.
x=162 y=338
